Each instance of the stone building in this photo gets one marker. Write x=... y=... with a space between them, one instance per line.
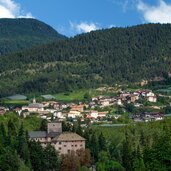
x=34 y=107
x=64 y=142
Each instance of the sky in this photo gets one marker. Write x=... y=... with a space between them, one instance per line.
x=72 y=17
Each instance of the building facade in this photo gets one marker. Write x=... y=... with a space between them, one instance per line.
x=64 y=142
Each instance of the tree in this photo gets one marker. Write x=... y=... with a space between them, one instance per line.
x=79 y=129
x=51 y=159
x=43 y=125
x=70 y=162
x=84 y=168
x=22 y=146
x=94 y=146
x=84 y=157
x=138 y=161
x=127 y=153
x=102 y=142
x=11 y=129
x=87 y=96
x=105 y=163
x=3 y=135
x=9 y=160
x=36 y=156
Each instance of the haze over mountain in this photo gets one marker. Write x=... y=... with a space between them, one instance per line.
x=103 y=57
x=17 y=34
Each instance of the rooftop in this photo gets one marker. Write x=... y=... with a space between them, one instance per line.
x=35 y=105
x=37 y=134
x=68 y=136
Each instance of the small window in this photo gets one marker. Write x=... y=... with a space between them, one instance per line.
x=68 y=151
x=72 y=145
x=75 y=145
x=64 y=145
x=60 y=143
x=59 y=148
x=81 y=145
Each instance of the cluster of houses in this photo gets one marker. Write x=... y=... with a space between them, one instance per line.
x=52 y=109
x=146 y=116
x=134 y=97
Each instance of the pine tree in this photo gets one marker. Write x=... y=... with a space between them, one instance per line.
x=51 y=159
x=102 y=142
x=22 y=146
x=94 y=146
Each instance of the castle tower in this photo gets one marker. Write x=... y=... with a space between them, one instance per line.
x=55 y=127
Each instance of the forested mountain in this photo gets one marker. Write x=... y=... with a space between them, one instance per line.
x=101 y=57
x=17 y=34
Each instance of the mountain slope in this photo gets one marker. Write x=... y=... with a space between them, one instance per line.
x=101 y=57
x=17 y=34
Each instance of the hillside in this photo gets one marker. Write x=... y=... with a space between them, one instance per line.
x=17 y=34
x=101 y=57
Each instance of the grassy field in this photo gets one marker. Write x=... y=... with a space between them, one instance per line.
x=78 y=95
x=14 y=102
x=71 y=96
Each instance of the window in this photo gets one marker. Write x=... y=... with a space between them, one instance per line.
x=75 y=145
x=60 y=143
x=81 y=145
x=68 y=151
x=59 y=148
x=64 y=145
x=72 y=145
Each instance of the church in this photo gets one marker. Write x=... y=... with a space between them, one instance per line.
x=34 y=107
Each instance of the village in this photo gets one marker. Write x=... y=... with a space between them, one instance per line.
x=99 y=109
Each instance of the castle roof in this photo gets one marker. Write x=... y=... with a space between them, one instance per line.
x=69 y=136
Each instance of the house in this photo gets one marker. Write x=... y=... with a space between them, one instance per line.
x=74 y=114
x=104 y=102
x=93 y=114
x=133 y=98
x=144 y=82
x=152 y=99
x=2 y=110
x=124 y=96
x=150 y=94
x=102 y=114
x=18 y=110
x=119 y=102
x=63 y=142
x=79 y=108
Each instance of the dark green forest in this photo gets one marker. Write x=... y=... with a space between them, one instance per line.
x=18 y=34
x=103 y=57
x=134 y=147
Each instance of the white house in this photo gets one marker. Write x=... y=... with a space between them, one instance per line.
x=74 y=114
x=94 y=113
x=152 y=99
x=119 y=102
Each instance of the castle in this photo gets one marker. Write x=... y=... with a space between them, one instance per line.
x=64 y=142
